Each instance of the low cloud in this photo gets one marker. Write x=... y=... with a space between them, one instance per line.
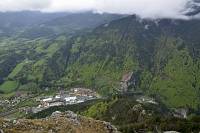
x=143 y=8
x=19 y=5
x=146 y=8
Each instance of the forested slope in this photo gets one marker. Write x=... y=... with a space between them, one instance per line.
x=162 y=54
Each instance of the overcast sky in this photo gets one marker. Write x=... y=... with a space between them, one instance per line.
x=143 y=8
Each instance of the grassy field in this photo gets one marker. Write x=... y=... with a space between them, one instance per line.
x=52 y=49
x=16 y=70
x=8 y=86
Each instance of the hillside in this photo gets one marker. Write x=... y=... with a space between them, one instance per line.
x=28 y=54
x=162 y=55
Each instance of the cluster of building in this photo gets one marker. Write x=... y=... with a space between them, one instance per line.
x=10 y=103
x=180 y=113
x=145 y=99
x=4 y=102
x=74 y=96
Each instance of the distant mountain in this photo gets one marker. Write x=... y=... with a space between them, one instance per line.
x=26 y=18
x=12 y=21
x=83 y=19
x=32 y=24
x=69 y=24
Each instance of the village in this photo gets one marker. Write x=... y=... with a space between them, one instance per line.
x=38 y=103
x=73 y=96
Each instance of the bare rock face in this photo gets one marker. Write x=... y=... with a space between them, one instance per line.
x=58 y=122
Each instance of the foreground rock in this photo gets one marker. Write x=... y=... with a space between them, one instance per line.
x=58 y=122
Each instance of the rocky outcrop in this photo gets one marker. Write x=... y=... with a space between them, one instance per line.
x=126 y=81
x=58 y=122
